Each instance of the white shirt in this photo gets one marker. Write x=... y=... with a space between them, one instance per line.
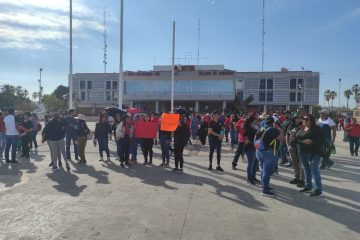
x=10 y=125
x=327 y=121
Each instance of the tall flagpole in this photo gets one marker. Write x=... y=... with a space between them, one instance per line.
x=173 y=71
x=121 y=80
x=71 y=65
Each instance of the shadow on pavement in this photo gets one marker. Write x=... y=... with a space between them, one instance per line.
x=66 y=182
x=100 y=176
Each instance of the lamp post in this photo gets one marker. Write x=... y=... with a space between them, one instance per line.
x=300 y=87
x=71 y=105
x=121 y=65
x=339 y=95
x=40 y=87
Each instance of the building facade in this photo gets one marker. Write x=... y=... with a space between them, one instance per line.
x=200 y=88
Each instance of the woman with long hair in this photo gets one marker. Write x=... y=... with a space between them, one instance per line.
x=102 y=131
x=82 y=133
x=311 y=141
x=116 y=123
x=123 y=132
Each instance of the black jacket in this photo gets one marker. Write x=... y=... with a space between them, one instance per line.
x=181 y=135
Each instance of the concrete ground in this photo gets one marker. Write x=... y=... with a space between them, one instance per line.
x=104 y=201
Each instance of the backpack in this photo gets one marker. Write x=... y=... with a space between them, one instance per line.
x=259 y=143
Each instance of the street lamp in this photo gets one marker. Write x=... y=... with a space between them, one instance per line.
x=339 y=95
x=40 y=87
x=300 y=87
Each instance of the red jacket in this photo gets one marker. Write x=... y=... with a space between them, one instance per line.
x=241 y=130
x=354 y=131
x=2 y=125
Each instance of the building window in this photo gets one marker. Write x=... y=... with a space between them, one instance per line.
x=82 y=84
x=240 y=84
x=269 y=96
x=293 y=97
x=115 y=96
x=262 y=83
x=108 y=96
x=293 y=83
x=82 y=96
x=108 y=85
x=270 y=83
x=114 y=85
x=89 y=96
x=261 y=96
x=89 y=85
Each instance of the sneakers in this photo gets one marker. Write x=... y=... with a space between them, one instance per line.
x=145 y=163
x=55 y=169
x=67 y=166
x=122 y=165
x=300 y=184
x=268 y=194
x=271 y=189
x=14 y=161
x=107 y=160
x=162 y=165
x=101 y=159
x=330 y=164
x=81 y=163
x=210 y=167
x=167 y=165
x=175 y=169
x=304 y=190
x=7 y=162
x=218 y=168
x=294 y=181
x=251 y=182
x=127 y=164
x=257 y=180
x=316 y=194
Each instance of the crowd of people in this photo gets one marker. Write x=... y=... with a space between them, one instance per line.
x=298 y=140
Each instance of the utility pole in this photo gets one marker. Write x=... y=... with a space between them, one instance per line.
x=263 y=38
x=173 y=71
x=71 y=64
x=121 y=80
x=40 y=87
x=339 y=95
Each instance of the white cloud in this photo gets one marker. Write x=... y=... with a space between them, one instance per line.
x=31 y=24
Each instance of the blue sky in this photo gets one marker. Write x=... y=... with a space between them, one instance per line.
x=319 y=35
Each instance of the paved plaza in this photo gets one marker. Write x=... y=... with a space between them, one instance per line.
x=104 y=201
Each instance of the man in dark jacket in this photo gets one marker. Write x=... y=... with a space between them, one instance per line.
x=72 y=126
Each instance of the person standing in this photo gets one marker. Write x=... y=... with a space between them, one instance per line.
x=311 y=142
x=34 y=119
x=54 y=134
x=123 y=132
x=181 y=135
x=101 y=136
x=165 y=139
x=116 y=123
x=12 y=136
x=329 y=135
x=216 y=134
x=26 y=128
x=294 y=126
x=249 y=148
x=270 y=137
x=194 y=126
x=148 y=144
x=241 y=141
x=353 y=130
x=72 y=126
x=82 y=133
x=2 y=133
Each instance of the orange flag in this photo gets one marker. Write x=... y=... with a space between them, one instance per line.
x=169 y=122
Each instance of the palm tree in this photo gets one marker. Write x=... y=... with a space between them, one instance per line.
x=333 y=95
x=356 y=91
x=347 y=94
x=327 y=97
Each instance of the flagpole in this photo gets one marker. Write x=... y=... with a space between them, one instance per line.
x=71 y=64
x=173 y=71
x=121 y=80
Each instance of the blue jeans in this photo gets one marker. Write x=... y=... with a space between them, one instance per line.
x=267 y=161
x=73 y=138
x=165 y=143
x=251 y=170
x=194 y=132
x=118 y=148
x=2 y=144
x=283 y=151
x=11 y=141
x=104 y=146
x=133 y=147
x=354 y=141
x=310 y=163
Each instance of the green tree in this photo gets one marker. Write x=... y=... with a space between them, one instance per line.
x=347 y=94
x=60 y=91
x=53 y=104
x=327 y=97
x=316 y=110
x=333 y=95
x=356 y=91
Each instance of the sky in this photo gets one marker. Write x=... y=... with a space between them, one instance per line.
x=319 y=35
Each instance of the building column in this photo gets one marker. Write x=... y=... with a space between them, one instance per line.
x=157 y=106
x=265 y=109
x=310 y=109
x=197 y=106
x=131 y=104
x=287 y=107
x=223 y=106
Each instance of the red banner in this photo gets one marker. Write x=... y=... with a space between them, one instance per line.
x=145 y=129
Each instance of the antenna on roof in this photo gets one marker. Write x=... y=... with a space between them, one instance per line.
x=105 y=41
x=198 y=43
